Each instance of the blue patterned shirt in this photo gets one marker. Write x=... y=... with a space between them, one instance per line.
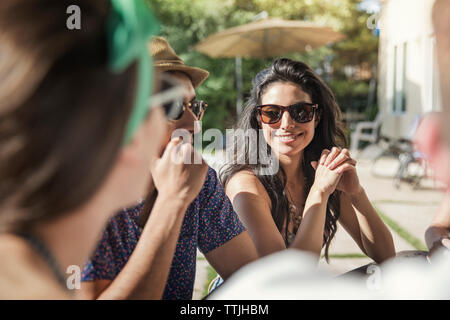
x=209 y=223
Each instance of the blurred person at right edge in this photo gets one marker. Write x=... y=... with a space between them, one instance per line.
x=433 y=135
x=292 y=274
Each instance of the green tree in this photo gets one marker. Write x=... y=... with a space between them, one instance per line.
x=187 y=22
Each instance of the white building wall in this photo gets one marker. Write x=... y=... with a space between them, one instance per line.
x=407 y=64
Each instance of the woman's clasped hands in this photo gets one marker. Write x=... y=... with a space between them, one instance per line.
x=336 y=170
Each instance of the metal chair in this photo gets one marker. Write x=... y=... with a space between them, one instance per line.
x=404 y=152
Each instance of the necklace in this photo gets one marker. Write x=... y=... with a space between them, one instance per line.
x=46 y=255
x=296 y=220
x=295 y=216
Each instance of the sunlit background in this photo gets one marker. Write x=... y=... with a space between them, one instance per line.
x=384 y=76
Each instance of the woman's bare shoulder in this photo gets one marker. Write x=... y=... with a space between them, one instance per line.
x=246 y=181
x=22 y=276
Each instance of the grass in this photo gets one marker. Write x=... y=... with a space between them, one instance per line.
x=403 y=233
x=211 y=275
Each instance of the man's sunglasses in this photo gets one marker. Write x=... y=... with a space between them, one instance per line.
x=170 y=95
x=197 y=107
x=301 y=112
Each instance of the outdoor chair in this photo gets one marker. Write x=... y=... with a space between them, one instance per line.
x=366 y=131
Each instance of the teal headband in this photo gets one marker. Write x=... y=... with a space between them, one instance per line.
x=130 y=26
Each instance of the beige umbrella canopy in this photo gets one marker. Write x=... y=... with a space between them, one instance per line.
x=264 y=38
x=267 y=38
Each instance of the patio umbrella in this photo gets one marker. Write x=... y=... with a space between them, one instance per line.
x=266 y=38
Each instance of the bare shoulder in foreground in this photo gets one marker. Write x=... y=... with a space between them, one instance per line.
x=23 y=275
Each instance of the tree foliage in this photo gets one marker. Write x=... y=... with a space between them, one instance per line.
x=187 y=22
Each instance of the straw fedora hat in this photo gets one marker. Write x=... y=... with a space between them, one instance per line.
x=165 y=59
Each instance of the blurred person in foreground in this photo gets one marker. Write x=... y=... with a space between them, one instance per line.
x=292 y=274
x=433 y=136
x=120 y=268
x=77 y=136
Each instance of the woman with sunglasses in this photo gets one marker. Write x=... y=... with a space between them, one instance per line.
x=316 y=184
x=120 y=267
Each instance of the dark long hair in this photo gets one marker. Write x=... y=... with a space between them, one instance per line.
x=328 y=133
x=62 y=112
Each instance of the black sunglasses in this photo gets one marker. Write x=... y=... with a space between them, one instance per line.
x=301 y=112
x=197 y=107
x=170 y=94
x=176 y=107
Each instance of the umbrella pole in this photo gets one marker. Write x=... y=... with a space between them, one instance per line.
x=239 y=102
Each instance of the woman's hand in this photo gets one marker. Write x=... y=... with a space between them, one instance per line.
x=341 y=161
x=175 y=176
x=326 y=180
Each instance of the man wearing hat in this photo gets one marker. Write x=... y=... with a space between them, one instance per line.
x=123 y=267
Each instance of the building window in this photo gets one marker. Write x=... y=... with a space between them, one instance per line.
x=403 y=78
x=435 y=83
x=399 y=78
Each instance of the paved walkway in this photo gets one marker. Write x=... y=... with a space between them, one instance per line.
x=407 y=213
